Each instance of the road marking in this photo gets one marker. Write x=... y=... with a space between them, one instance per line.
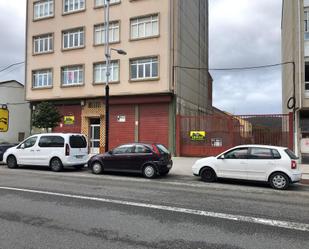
x=240 y=218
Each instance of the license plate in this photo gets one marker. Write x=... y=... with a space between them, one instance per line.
x=79 y=156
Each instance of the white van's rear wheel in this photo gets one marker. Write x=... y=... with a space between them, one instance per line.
x=56 y=164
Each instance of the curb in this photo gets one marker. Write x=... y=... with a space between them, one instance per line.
x=304 y=181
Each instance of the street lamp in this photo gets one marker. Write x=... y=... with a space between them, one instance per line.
x=108 y=60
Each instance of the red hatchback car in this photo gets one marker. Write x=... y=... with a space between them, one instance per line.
x=149 y=159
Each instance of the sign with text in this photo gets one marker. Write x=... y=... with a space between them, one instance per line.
x=197 y=135
x=4 y=119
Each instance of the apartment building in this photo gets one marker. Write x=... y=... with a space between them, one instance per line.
x=154 y=82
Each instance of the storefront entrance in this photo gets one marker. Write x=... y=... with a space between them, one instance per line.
x=94 y=136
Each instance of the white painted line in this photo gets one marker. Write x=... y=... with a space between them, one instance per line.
x=240 y=218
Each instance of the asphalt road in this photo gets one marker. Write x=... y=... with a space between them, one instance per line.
x=75 y=209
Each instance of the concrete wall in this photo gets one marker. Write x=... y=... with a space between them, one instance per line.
x=191 y=50
x=19 y=111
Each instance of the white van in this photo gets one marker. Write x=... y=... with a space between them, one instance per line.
x=56 y=150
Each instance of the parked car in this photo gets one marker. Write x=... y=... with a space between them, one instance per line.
x=148 y=159
x=272 y=164
x=3 y=148
x=56 y=150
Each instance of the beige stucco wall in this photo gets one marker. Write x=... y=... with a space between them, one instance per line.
x=90 y=54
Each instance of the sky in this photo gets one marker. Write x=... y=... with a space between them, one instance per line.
x=241 y=33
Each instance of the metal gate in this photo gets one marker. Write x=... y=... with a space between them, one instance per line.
x=222 y=131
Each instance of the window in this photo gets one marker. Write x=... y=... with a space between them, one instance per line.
x=51 y=141
x=100 y=72
x=123 y=149
x=99 y=33
x=291 y=154
x=73 y=5
x=42 y=78
x=143 y=27
x=72 y=75
x=28 y=143
x=306 y=24
x=77 y=141
x=43 y=9
x=74 y=38
x=99 y=3
x=307 y=76
x=142 y=149
x=43 y=44
x=144 y=68
x=261 y=153
x=241 y=153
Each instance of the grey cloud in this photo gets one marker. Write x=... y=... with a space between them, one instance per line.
x=247 y=34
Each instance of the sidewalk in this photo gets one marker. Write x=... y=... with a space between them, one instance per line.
x=182 y=166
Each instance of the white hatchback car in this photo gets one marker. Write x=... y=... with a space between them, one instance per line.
x=276 y=165
x=56 y=150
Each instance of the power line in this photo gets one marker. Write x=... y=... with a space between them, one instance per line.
x=11 y=65
x=235 y=68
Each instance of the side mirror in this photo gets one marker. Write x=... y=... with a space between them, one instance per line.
x=110 y=152
x=221 y=157
x=22 y=146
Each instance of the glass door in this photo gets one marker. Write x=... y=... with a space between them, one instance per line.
x=95 y=137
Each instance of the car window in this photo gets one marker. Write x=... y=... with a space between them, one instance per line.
x=162 y=149
x=123 y=149
x=78 y=141
x=276 y=154
x=142 y=149
x=240 y=153
x=29 y=142
x=51 y=141
x=261 y=153
x=291 y=154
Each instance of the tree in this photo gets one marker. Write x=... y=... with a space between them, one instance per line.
x=46 y=115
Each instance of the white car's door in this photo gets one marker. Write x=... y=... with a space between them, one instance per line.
x=261 y=160
x=48 y=146
x=25 y=152
x=233 y=164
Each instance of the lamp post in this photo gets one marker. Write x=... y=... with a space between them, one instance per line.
x=108 y=60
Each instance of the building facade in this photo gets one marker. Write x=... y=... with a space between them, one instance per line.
x=164 y=40
x=15 y=124
x=295 y=73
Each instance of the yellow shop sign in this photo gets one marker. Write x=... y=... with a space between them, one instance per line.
x=69 y=120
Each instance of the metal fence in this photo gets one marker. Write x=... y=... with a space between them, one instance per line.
x=213 y=134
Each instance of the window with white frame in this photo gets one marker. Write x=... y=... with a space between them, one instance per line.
x=306 y=24
x=99 y=3
x=142 y=27
x=43 y=9
x=73 y=5
x=42 y=78
x=99 y=72
x=307 y=77
x=72 y=75
x=99 y=33
x=74 y=38
x=146 y=68
x=43 y=44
